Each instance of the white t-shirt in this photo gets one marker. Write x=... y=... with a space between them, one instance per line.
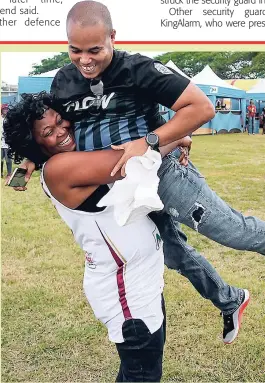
x=124 y=267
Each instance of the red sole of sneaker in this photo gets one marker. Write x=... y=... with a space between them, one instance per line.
x=241 y=310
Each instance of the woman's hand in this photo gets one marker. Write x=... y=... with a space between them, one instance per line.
x=30 y=167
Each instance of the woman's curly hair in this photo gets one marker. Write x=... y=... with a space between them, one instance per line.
x=18 y=125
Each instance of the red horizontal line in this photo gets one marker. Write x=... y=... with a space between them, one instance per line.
x=189 y=42
x=31 y=42
x=143 y=42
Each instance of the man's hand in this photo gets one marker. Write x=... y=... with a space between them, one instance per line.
x=30 y=167
x=184 y=157
x=186 y=142
x=131 y=149
x=185 y=147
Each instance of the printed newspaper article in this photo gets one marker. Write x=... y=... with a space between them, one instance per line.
x=133 y=137
x=167 y=20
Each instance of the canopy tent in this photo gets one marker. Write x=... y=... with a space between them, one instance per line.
x=244 y=84
x=230 y=119
x=208 y=81
x=36 y=83
x=8 y=97
x=171 y=65
x=257 y=92
x=32 y=84
x=51 y=73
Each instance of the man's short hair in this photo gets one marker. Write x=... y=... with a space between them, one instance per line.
x=90 y=13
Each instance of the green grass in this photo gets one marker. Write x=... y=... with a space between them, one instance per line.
x=49 y=333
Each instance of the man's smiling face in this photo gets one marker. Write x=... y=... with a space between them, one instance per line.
x=90 y=48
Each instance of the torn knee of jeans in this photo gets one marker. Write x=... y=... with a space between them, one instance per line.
x=197 y=215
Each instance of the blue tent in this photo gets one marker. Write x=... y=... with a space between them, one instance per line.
x=228 y=118
x=37 y=83
x=229 y=102
x=8 y=97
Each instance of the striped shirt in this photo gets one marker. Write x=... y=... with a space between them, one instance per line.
x=133 y=88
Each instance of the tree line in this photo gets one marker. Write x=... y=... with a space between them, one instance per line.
x=227 y=65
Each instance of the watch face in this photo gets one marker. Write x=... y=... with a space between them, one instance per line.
x=152 y=139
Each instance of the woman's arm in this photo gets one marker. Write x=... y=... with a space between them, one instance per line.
x=185 y=141
x=72 y=177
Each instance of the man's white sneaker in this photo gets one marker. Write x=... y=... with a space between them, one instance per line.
x=232 y=322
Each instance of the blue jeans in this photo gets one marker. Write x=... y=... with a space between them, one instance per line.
x=189 y=200
x=4 y=156
x=251 y=124
x=141 y=353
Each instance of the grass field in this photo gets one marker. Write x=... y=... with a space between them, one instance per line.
x=49 y=333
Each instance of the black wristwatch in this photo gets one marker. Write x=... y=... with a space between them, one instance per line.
x=152 y=140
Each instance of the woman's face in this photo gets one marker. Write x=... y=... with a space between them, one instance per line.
x=53 y=134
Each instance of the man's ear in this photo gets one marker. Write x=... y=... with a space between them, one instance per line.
x=113 y=36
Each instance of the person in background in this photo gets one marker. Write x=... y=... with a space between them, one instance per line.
x=218 y=105
x=4 y=149
x=251 y=112
x=262 y=120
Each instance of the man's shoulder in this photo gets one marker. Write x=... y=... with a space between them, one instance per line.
x=124 y=68
x=138 y=63
x=130 y=59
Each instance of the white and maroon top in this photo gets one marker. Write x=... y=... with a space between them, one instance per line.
x=124 y=266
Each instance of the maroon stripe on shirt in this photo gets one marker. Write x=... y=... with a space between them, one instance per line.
x=120 y=278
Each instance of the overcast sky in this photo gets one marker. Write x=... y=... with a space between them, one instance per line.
x=14 y=64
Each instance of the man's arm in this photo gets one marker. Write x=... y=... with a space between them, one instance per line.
x=193 y=109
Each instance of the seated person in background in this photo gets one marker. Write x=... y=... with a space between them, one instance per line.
x=218 y=105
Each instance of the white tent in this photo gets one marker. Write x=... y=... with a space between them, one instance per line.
x=208 y=77
x=51 y=73
x=171 y=65
x=216 y=88
x=258 y=88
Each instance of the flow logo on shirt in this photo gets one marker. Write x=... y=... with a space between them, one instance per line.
x=89 y=261
x=89 y=102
